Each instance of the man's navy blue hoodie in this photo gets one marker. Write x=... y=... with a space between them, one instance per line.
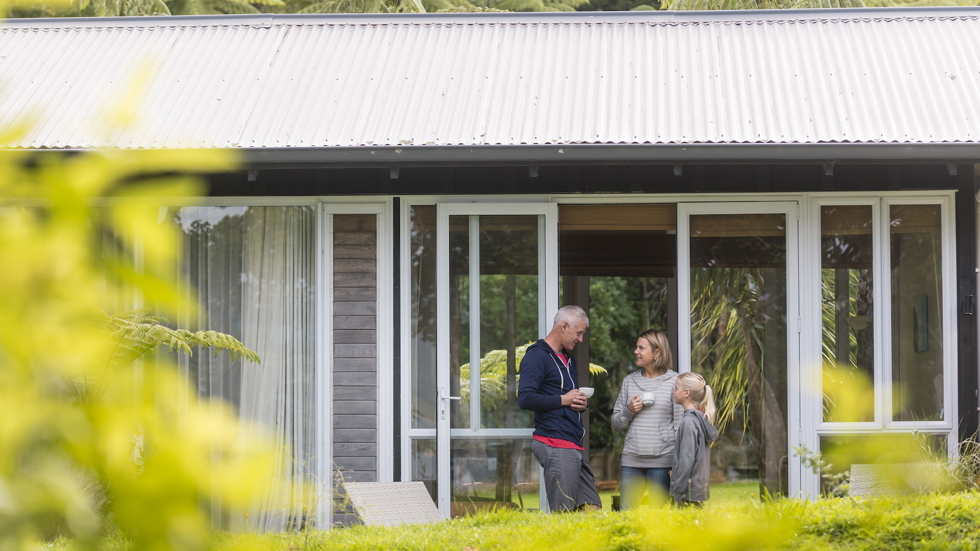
x=544 y=379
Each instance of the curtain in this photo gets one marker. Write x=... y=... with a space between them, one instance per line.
x=253 y=272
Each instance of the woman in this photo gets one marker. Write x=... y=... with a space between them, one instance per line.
x=648 y=453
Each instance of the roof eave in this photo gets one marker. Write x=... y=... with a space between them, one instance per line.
x=949 y=153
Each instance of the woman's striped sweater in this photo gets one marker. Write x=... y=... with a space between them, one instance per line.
x=652 y=430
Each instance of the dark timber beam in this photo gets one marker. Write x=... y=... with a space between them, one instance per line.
x=966 y=316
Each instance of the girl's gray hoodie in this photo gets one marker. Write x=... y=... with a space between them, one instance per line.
x=692 y=458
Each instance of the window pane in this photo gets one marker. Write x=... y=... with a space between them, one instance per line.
x=508 y=314
x=424 y=462
x=847 y=285
x=506 y=249
x=917 y=331
x=493 y=473
x=423 y=324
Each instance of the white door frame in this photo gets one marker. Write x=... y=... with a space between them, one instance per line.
x=548 y=288
x=794 y=431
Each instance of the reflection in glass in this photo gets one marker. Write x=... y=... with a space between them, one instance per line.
x=898 y=458
x=847 y=289
x=738 y=332
x=917 y=330
x=424 y=461
x=459 y=319
x=423 y=289
x=508 y=310
x=508 y=313
x=493 y=473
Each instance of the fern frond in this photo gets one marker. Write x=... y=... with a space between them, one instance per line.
x=134 y=333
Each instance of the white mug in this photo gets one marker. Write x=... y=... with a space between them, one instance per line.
x=587 y=390
x=647 y=398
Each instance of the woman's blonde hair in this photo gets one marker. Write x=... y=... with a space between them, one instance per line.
x=701 y=393
x=658 y=339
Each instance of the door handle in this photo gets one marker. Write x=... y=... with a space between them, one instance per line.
x=444 y=401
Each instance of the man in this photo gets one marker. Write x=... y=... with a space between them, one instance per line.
x=549 y=388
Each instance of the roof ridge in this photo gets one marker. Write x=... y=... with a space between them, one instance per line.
x=640 y=17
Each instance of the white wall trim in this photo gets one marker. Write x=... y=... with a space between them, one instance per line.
x=324 y=368
x=406 y=338
x=386 y=352
x=443 y=411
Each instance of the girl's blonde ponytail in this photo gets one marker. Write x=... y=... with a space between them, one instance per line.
x=707 y=404
x=701 y=394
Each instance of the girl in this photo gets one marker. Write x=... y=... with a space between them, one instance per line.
x=692 y=454
x=648 y=453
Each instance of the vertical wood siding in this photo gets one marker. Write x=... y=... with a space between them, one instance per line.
x=355 y=352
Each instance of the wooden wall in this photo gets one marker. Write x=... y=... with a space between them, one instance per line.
x=355 y=351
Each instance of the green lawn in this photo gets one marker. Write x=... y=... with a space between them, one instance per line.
x=726 y=492
x=926 y=522
x=918 y=522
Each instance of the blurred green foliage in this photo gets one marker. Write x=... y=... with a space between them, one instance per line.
x=143 y=459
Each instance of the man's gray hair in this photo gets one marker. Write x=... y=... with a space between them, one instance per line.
x=571 y=314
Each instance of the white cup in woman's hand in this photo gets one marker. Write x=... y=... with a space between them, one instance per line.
x=587 y=390
x=647 y=398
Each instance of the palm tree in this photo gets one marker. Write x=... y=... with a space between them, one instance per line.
x=114 y=8
x=365 y=6
x=206 y=7
x=730 y=310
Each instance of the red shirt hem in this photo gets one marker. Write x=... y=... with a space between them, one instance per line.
x=558 y=443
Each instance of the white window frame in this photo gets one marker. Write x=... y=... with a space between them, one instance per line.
x=408 y=434
x=813 y=361
x=548 y=266
x=947 y=311
x=814 y=369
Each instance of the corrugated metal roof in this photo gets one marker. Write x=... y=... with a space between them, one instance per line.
x=773 y=77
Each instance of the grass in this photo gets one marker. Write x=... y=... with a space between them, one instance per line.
x=725 y=492
x=925 y=522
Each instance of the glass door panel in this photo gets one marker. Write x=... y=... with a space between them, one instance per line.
x=422 y=354
x=738 y=288
x=847 y=310
x=916 y=295
x=494 y=321
x=494 y=287
x=493 y=305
